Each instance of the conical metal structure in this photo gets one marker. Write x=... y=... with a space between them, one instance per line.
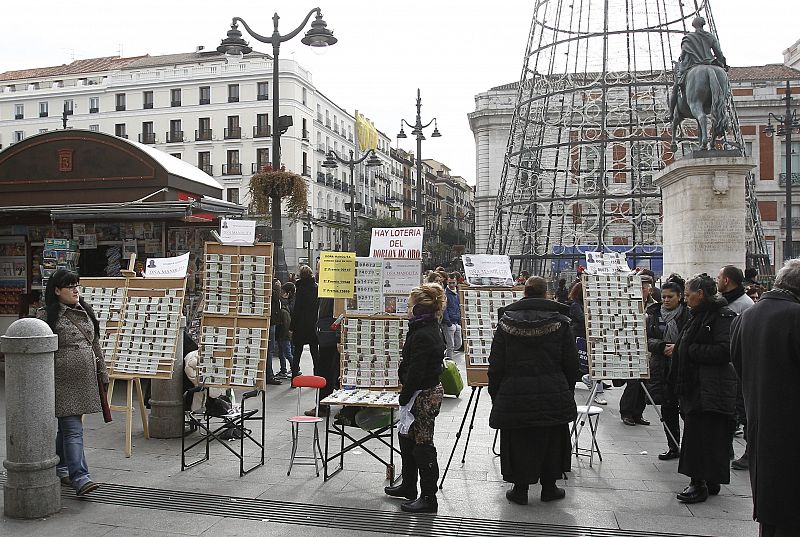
x=590 y=131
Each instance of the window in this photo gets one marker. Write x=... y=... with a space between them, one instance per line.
x=94 y=128
x=262 y=158
x=232 y=166
x=319 y=113
x=232 y=195
x=263 y=91
x=43 y=112
x=176 y=155
x=94 y=105
x=19 y=111
x=147 y=99
x=262 y=126
x=203 y=129
x=69 y=106
x=148 y=136
x=205 y=94
x=175 y=97
x=120 y=100
x=305 y=130
x=18 y=136
x=204 y=161
x=120 y=130
x=795 y=162
x=306 y=170
x=305 y=96
x=233 y=93
x=233 y=131
x=175 y=133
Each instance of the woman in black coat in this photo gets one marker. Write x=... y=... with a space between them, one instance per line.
x=705 y=382
x=533 y=367
x=423 y=355
x=304 y=320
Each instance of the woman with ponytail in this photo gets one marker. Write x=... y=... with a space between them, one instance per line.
x=704 y=380
x=79 y=366
x=423 y=354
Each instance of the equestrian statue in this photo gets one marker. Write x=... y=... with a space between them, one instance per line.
x=701 y=86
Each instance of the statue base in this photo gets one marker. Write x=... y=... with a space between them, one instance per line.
x=704 y=212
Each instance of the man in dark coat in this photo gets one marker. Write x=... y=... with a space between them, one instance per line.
x=533 y=368
x=304 y=319
x=765 y=348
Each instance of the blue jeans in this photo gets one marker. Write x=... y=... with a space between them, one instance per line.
x=69 y=448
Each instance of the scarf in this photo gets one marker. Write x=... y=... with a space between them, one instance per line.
x=670 y=320
x=418 y=320
x=730 y=296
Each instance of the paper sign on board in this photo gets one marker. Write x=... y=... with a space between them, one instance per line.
x=167 y=267
x=237 y=231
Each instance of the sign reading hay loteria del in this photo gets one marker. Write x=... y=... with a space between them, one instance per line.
x=396 y=242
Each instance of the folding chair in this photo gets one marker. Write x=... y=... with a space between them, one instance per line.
x=590 y=412
x=316 y=383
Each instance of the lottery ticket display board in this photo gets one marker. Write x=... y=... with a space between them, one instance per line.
x=140 y=320
x=479 y=307
x=372 y=346
x=615 y=326
x=234 y=331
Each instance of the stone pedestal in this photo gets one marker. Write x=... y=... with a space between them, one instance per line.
x=32 y=489
x=705 y=212
x=166 y=398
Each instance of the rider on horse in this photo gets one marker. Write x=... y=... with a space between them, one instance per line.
x=698 y=48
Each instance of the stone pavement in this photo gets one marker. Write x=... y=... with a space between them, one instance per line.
x=630 y=491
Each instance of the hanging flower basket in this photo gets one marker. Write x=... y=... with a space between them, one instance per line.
x=265 y=184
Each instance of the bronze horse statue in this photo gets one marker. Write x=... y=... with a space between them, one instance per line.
x=704 y=93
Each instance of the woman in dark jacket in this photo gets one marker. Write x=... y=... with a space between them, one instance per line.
x=664 y=324
x=79 y=366
x=705 y=382
x=423 y=354
x=304 y=319
x=533 y=367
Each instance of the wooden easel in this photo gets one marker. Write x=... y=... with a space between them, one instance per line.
x=128 y=407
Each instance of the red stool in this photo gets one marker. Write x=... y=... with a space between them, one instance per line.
x=316 y=383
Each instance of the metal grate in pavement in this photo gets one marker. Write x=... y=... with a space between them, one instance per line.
x=337 y=517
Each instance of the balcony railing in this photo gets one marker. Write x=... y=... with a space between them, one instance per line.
x=321 y=148
x=121 y=108
x=329 y=215
x=205 y=101
x=91 y=110
x=306 y=171
x=175 y=103
x=232 y=169
x=19 y=116
x=795 y=179
x=202 y=135
x=122 y=135
x=43 y=114
x=795 y=222
x=261 y=131
x=208 y=168
x=305 y=134
x=174 y=137
x=233 y=133
x=321 y=178
x=147 y=138
x=146 y=106
x=259 y=166
x=263 y=97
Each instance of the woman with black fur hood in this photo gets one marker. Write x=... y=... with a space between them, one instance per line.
x=533 y=368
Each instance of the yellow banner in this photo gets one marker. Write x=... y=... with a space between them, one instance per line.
x=337 y=274
x=366 y=132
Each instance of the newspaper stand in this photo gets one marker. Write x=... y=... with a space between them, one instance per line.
x=234 y=341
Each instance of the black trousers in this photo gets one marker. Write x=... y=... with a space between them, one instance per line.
x=329 y=366
x=632 y=402
x=671 y=414
x=299 y=342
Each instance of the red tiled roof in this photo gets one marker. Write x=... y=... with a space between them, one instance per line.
x=91 y=65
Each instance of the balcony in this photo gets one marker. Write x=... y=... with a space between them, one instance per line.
x=321 y=148
x=233 y=99
x=232 y=168
x=121 y=135
x=174 y=137
x=121 y=107
x=43 y=114
x=306 y=171
x=233 y=133
x=208 y=168
x=92 y=110
x=257 y=167
x=321 y=178
x=146 y=106
x=262 y=131
x=175 y=103
x=305 y=135
x=795 y=222
x=202 y=135
x=205 y=101
x=147 y=138
x=19 y=116
x=336 y=217
x=263 y=97
x=795 y=179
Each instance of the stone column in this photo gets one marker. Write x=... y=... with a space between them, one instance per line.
x=166 y=398
x=32 y=489
x=705 y=212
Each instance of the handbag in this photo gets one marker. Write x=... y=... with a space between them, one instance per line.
x=101 y=387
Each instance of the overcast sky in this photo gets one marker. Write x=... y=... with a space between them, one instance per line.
x=451 y=50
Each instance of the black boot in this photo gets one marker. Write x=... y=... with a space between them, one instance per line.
x=518 y=494
x=408 y=487
x=425 y=456
x=713 y=488
x=551 y=492
x=696 y=492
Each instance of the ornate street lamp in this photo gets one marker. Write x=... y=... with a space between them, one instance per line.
x=787 y=125
x=317 y=36
x=331 y=161
x=417 y=130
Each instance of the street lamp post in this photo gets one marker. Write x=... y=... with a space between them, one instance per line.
x=787 y=125
x=317 y=36
x=417 y=129
x=331 y=160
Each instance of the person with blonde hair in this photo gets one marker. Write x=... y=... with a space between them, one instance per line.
x=423 y=353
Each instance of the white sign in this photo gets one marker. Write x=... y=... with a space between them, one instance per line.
x=400 y=276
x=396 y=242
x=368 y=297
x=237 y=231
x=485 y=269
x=167 y=267
x=606 y=263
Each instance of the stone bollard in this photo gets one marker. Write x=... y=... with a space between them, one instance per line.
x=32 y=489
x=166 y=398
